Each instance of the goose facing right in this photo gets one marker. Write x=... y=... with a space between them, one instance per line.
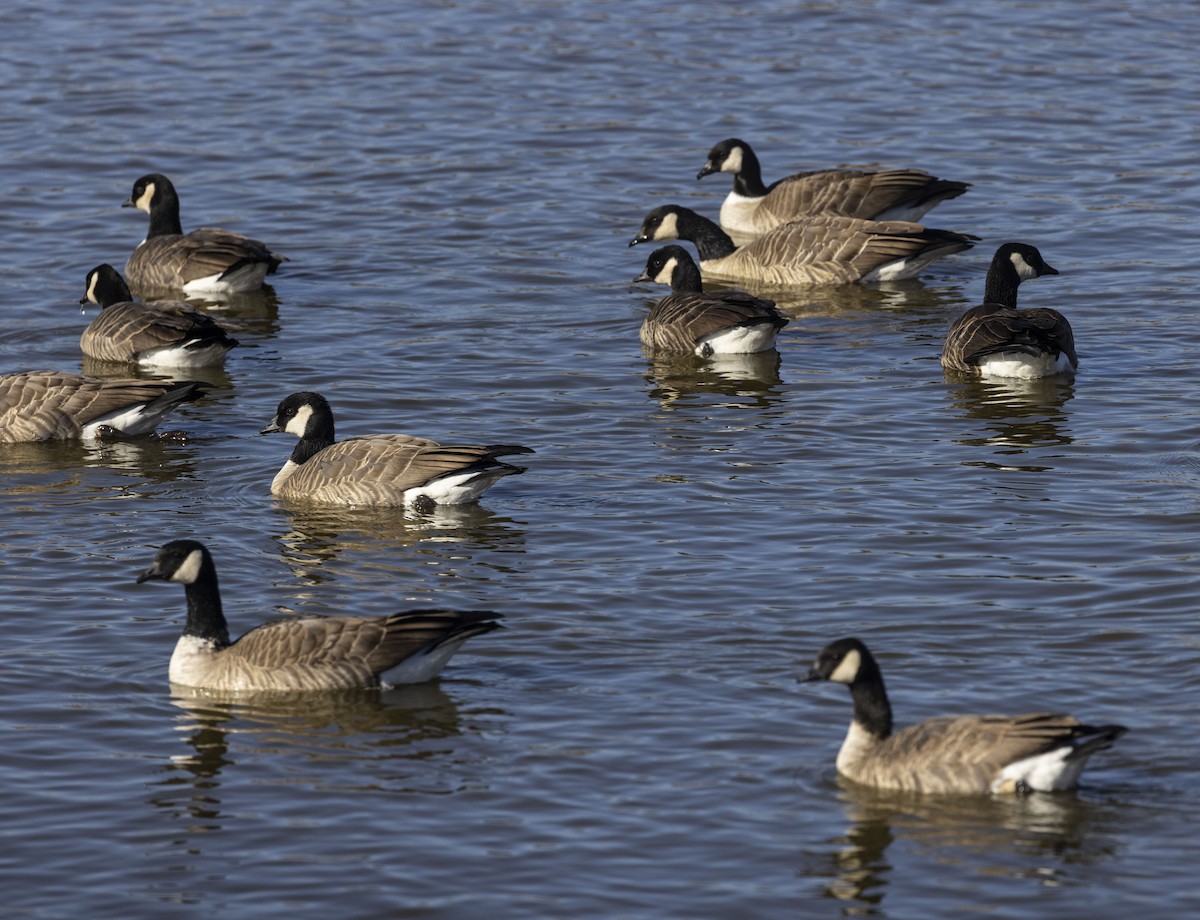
x=995 y=339
x=974 y=754
x=52 y=405
x=306 y=653
x=753 y=208
x=207 y=260
x=396 y=470
x=820 y=249
x=155 y=334
x=691 y=320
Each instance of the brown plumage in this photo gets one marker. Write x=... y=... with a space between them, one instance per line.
x=308 y=653
x=691 y=320
x=379 y=469
x=823 y=249
x=752 y=208
x=52 y=405
x=953 y=754
x=158 y=333
x=999 y=340
x=207 y=260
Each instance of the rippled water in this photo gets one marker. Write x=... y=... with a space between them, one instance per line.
x=455 y=185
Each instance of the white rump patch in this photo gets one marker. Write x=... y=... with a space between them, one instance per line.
x=248 y=277
x=423 y=666
x=182 y=356
x=740 y=340
x=454 y=490
x=1048 y=772
x=1015 y=364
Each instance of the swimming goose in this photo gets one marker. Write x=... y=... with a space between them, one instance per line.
x=51 y=405
x=379 y=469
x=995 y=339
x=156 y=334
x=1036 y=752
x=821 y=249
x=306 y=653
x=752 y=208
x=693 y=321
x=208 y=260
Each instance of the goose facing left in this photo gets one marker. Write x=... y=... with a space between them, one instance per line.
x=154 y=334
x=692 y=320
x=306 y=653
x=51 y=405
x=396 y=470
x=207 y=260
x=972 y=754
x=821 y=249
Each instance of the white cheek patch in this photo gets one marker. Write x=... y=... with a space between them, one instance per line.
x=668 y=271
x=847 y=671
x=189 y=570
x=298 y=423
x=91 y=287
x=668 y=229
x=1024 y=270
x=733 y=162
x=143 y=202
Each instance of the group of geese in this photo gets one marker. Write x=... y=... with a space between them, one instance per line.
x=834 y=226
x=830 y=226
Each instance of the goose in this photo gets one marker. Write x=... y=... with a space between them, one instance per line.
x=379 y=469
x=306 y=653
x=821 y=249
x=691 y=321
x=995 y=339
x=208 y=260
x=752 y=208
x=53 y=405
x=157 y=334
x=1035 y=752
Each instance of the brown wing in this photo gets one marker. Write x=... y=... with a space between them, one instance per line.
x=171 y=261
x=830 y=249
x=377 y=469
x=965 y=753
x=991 y=328
x=679 y=321
x=49 y=405
x=855 y=193
x=124 y=331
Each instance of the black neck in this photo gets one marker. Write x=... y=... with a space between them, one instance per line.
x=1001 y=284
x=871 y=707
x=111 y=289
x=748 y=181
x=205 y=619
x=164 y=212
x=318 y=436
x=711 y=241
x=685 y=279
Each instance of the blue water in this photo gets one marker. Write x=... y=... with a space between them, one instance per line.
x=455 y=186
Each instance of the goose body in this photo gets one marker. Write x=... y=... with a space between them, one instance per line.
x=306 y=653
x=381 y=469
x=156 y=334
x=821 y=249
x=207 y=260
x=995 y=339
x=752 y=208
x=690 y=320
x=52 y=405
x=1035 y=752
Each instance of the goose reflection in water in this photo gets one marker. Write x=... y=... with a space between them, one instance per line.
x=1016 y=836
x=322 y=729
x=318 y=534
x=1018 y=416
x=737 y=381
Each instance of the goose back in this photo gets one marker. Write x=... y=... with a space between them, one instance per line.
x=156 y=334
x=52 y=405
x=207 y=260
x=752 y=208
